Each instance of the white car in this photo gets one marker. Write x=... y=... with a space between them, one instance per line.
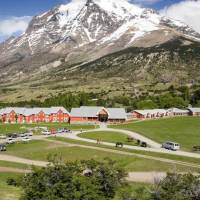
x=2 y=137
x=171 y=146
x=10 y=141
x=30 y=134
x=26 y=139
x=46 y=133
x=22 y=135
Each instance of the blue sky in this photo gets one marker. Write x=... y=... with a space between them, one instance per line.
x=34 y=7
x=15 y=14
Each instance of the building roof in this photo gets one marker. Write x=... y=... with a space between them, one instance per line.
x=33 y=111
x=116 y=113
x=151 y=111
x=91 y=111
x=194 y=110
x=10 y=109
x=177 y=110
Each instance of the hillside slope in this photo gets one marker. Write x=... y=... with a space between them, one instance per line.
x=134 y=71
x=97 y=45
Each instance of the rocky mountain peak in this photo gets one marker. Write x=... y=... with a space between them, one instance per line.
x=89 y=29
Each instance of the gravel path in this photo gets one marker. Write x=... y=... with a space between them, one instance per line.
x=146 y=177
x=22 y=160
x=13 y=170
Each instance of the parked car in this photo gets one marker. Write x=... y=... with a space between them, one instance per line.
x=46 y=133
x=68 y=131
x=2 y=137
x=26 y=139
x=2 y=147
x=61 y=130
x=10 y=141
x=171 y=146
x=196 y=148
x=143 y=144
x=29 y=134
x=22 y=135
x=13 y=135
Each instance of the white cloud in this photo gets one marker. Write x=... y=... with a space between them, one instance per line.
x=13 y=25
x=185 y=11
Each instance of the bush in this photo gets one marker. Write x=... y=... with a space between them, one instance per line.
x=85 y=180
x=12 y=181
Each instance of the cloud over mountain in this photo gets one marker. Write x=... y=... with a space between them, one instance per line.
x=13 y=25
x=185 y=11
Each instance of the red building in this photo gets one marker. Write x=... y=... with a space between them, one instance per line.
x=194 y=111
x=148 y=114
x=34 y=115
x=94 y=115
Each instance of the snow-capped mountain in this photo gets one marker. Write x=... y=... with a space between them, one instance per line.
x=82 y=31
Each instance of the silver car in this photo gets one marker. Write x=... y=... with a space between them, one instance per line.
x=171 y=146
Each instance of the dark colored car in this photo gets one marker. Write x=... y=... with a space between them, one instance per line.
x=2 y=147
x=143 y=144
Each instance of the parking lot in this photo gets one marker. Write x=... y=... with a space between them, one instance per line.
x=29 y=135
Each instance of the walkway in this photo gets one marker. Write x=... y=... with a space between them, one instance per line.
x=22 y=160
x=13 y=170
x=135 y=135
x=146 y=177
x=156 y=147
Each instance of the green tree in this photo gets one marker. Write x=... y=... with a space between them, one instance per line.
x=185 y=92
x=169 y=101
x=85 y=180
x=177 y=187
x=146 y=104
x=195 y=97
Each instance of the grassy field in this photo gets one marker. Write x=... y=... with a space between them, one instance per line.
x=108 y=137
x=40 y=150
x=184 y=130
x=20 y=128
x=8 y=192
x=161 y=155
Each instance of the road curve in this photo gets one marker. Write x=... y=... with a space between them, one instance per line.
x=156 y=149
x=136 y=136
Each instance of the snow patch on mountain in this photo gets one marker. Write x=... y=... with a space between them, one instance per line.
x=81 y=22
x=69 y=11
x=121 y=8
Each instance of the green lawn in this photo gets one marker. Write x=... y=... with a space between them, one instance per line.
x=108 y=137
x=184 y=130
x=40 y=150
x=8 y=192
x=154 y=154
x=19 y=128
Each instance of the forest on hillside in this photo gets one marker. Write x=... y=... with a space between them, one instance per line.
x=174 y=97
